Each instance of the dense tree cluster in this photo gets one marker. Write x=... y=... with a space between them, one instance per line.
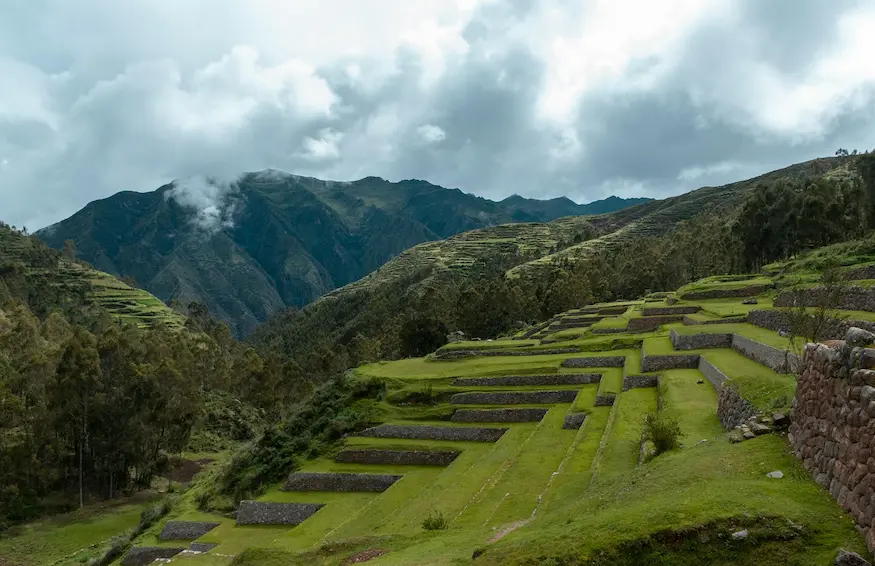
x=92 y=408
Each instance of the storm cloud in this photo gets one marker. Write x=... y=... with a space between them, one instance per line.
x=583 y=98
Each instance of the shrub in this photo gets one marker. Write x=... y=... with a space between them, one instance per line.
x=662 y=431
x=435 y=522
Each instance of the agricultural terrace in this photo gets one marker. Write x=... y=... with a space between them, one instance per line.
x=532 y=446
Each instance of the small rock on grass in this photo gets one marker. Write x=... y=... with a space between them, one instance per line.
x=758 y=428
x=735 y=437
x=845 y=558
x=701 y=381
x=748 y=435
x=777 y=474
x=740 y=535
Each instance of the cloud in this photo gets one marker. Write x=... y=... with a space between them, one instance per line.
x=583 y=98
x=213 y=201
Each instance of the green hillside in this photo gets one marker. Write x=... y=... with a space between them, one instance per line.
x=576 y=481
x=28 y=264
x=272 y=240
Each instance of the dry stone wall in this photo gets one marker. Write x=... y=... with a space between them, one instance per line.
x=430 y=432
x=456 y=354
x=499 y=415
x=748 y=291
x=854 y=298
x=636 y=381
x=690 y=321
x=713 y=375
x=732 y=409
x=514 y=380
x=514 y=397
x=665 y=311
x=143 y=555
x=271 y=513
x=595 y=362
x=607 y=311
x=604 y=400
x=698 y=341
x=671 y=361
x=185 y=530
x=398 y=457
x=833 y=424
x=651 y=322
x=574 y=421
x=310 y=481
x=779 y=322
x=781 y=361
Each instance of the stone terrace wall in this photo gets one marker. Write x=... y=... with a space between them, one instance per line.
x=270 y=513
x=604 y=400
x=309 y=481
x=574 y=421
x=636 y=381
x=456 y=354
x=429 y=432
x=671 y=361
x=664 y=311
x=398 y=457
x=712 y=374
x=833 y=424
x=143 y=555
x=866 y=272
x=595 y=362
x=690 y=321
x=608 y=330
x=748 y=291
x=854 y=298
x=697 y=341
x=780 y=322
x=499 y=415
x=733 y=409
x=779 y=360
x=651 y=322
x=546 y=379
x=612 y=310
x=185 y=530
x=514 y=397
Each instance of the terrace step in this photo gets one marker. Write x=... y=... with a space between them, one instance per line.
x=185 y=530
x=429 y=432
x=523 y=380
x=327 y=481
x=514 y=397
x=507 y=415
x=397 y=457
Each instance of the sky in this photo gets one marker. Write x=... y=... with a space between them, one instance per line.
x=541 y=98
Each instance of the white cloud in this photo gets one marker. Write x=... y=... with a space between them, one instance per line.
x=429 y=133
x=212 y=200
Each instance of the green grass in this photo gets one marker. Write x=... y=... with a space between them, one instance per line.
x=761 y=386
x=693 y=404
x=624 y=442
x=724 y=282
x=74 y=536
x=659 y=346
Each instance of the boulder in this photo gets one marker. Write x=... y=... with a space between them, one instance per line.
x=759 y=428
x=740 y=535
x=777 y=474
x=780 y=420
x=859 y=338
x=845 y=558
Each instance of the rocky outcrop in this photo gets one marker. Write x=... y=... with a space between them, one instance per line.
x=833 y=423
x=595 y=362
x=515 y=380
x=271 y=513
x=499 y=415
x=185 y=530
x=699 y=341
x=314 y=481
x=397 y=457
x=514 y=397
x=430 y=432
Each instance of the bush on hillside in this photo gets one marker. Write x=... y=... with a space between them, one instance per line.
x=435 y=522
x=664 y=432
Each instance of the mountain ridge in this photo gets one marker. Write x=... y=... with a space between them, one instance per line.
x=271 y=239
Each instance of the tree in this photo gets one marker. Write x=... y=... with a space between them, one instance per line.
x=69 y=250
x=814 y=322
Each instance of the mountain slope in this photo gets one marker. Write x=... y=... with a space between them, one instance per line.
x=31 y=271
x=272 y=239
x=562 y=240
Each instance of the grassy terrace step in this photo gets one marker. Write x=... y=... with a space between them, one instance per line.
x=747 y=330
x=537 y=379
x=623 y=448
x=514 y=397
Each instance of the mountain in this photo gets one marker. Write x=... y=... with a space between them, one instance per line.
x=272 y=239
